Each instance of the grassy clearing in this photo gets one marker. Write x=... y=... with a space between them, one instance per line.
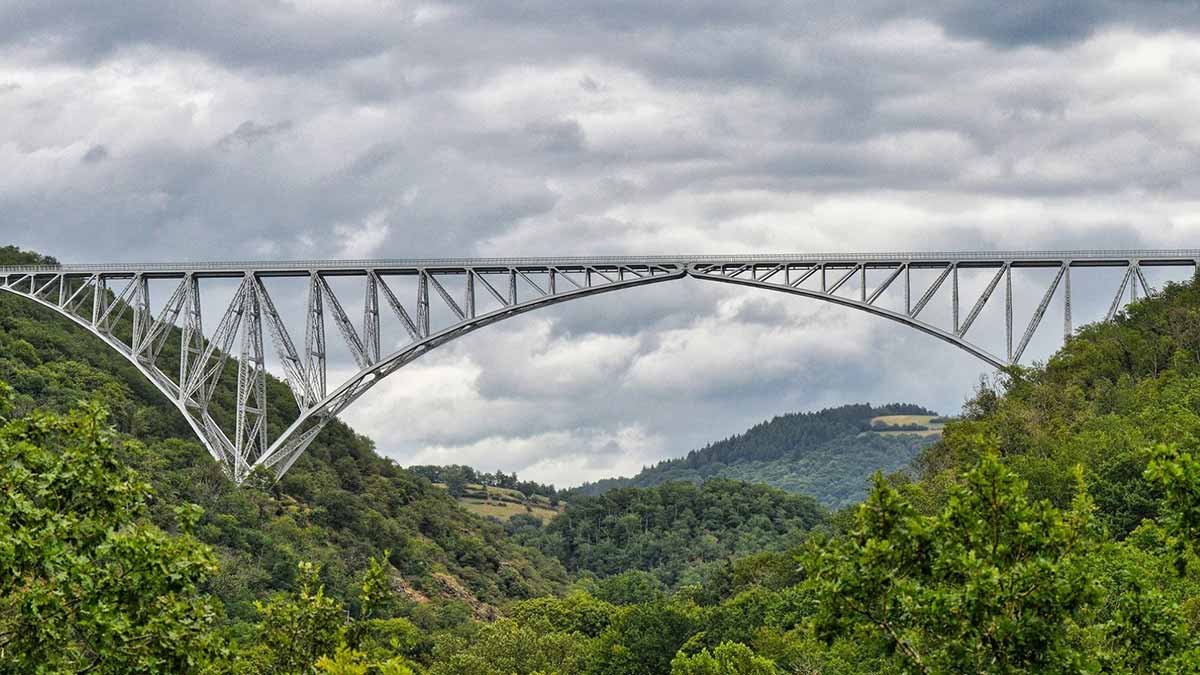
x=901 y=420
x=504 y=503
x=505 y=510
x=934 y=428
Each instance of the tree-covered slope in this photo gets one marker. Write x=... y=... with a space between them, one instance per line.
x=338 y=506
x=674 y=530
x=1113 y=392
x=1062 y=509
x=828 y=455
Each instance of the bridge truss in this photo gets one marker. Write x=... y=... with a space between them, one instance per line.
x=446 y=299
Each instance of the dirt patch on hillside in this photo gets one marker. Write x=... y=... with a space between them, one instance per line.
x=454 y=589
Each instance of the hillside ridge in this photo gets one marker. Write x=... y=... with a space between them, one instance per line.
x=828 y=454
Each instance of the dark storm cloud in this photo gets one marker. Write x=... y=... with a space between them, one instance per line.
x=1053 y=23
x=266 y=33
x=679 y=38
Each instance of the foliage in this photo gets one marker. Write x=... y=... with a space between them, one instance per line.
x=301 y=629
x=643 y=639
x=349 y=662
x=993 y=583
x=86 y=582
x=729 y=658
x=632 y=587
x=576 y=613
x=504 y=647
x=1178 y=473
x=671 y=529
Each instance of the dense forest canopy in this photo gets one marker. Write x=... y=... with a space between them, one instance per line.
x=1054 y=529
x=676 y=531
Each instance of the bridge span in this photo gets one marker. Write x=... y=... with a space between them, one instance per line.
x=443 y=299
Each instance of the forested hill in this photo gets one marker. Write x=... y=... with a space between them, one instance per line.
x=679 y=532
x=829 y=454
x=338 y=506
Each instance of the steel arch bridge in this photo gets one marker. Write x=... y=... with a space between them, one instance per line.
x=472 y=293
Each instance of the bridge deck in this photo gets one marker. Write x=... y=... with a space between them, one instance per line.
x=1076 y=258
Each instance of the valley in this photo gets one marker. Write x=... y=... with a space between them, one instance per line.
x=759 y=549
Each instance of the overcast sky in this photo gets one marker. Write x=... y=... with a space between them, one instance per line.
x=149 y=130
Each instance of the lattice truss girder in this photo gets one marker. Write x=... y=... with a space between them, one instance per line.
x=435 y=302
x=116 y=306
x=829 y=280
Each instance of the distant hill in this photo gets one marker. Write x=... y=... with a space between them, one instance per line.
x=828 y=454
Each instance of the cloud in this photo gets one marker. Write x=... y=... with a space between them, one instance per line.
x=251 y=132
x=423 y=129
x=362 y=242
x=95 y=155
x=1058 y=23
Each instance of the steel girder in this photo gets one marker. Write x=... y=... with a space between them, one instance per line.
x=101 y=297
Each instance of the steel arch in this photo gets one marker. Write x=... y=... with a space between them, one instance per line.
x=518 y=285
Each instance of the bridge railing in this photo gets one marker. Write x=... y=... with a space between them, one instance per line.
x=1180 y=255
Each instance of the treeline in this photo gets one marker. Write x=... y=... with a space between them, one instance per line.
x=884 y=426
x=675 y=531
x=457 y=476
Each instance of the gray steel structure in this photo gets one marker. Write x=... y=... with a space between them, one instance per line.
x=512 y=286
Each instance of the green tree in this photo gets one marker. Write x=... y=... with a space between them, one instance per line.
x=86 y=583
x=377 y=632
x=575 y=613
x=346 y=661
x=630 y=588
x=643 y=639
x=301 y=629
x=504 y=647
x=994 y=583
x=1177 y=472
x=376 y=597
x=729 y=658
